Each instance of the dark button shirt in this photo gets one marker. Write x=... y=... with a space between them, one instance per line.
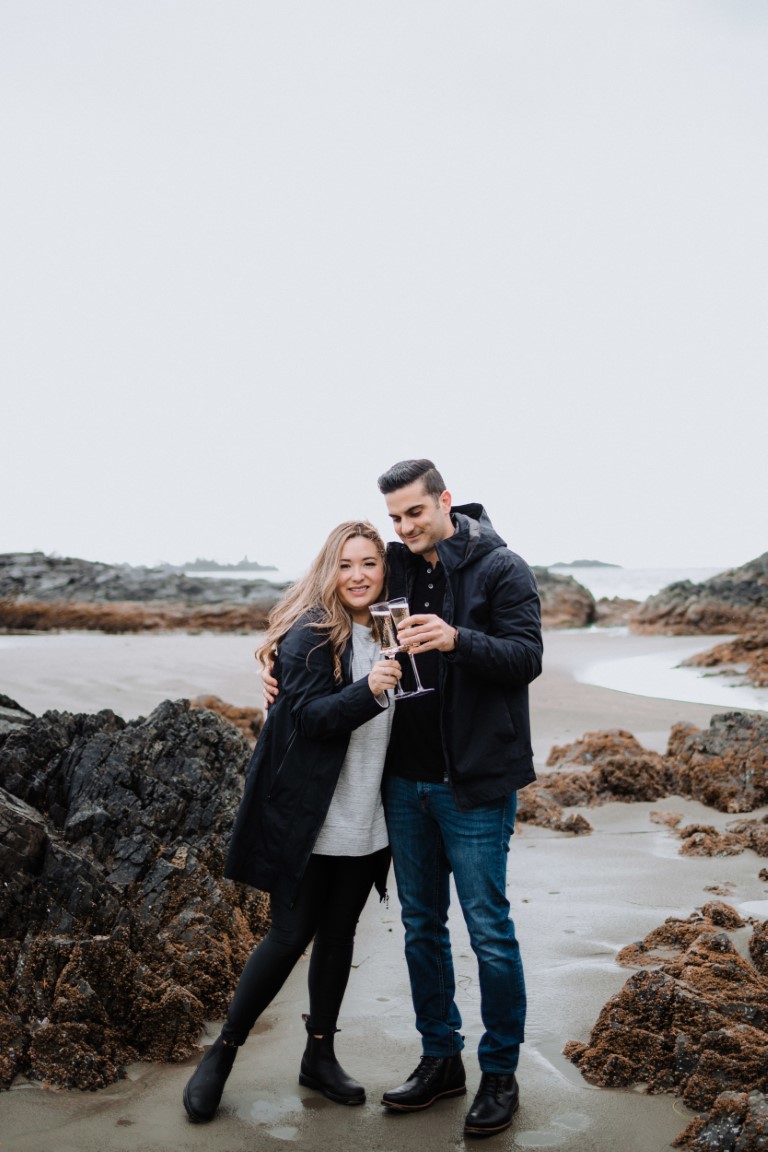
x=415 y=746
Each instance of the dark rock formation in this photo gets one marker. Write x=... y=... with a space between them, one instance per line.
x=12 y=715
x=564 y=602
x=46 y=592
x=34 y=576
x=119 y=935
x=737 y=1122
x=696 y=1025
x=733 y=601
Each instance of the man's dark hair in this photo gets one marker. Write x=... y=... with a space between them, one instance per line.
x=404 y=473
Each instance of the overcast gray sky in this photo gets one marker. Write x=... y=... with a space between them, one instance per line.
x=253 y=252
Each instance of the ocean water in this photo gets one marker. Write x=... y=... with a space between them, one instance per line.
x=633 y=583
x=661 y=675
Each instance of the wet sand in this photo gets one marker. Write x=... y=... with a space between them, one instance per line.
x=576 y=902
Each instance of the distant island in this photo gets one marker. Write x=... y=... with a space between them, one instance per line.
x=244 y=565
x=584 y=564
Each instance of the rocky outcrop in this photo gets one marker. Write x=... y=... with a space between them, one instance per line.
x=706 y=840
x=33 y=616
x=48 y=592
x=737 y=1122
x=614 y=612
x=724 y=766
x=564 y=602
x=119 y=935
x=696 y=1024
x=747 y=655
x=12 y=715
x=536 y=806
x=249 y=721
x=733 y=601
x=34 y=576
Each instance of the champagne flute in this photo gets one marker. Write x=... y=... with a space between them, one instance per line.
x=387 y=635
x=399 y=610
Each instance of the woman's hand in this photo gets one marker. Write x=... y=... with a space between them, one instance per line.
x=268 y=686
x=385 y=674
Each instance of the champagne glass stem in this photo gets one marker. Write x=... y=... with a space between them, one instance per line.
x=398 y=690
x=419 y=685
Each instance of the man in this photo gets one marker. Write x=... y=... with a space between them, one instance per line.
x=456 y=758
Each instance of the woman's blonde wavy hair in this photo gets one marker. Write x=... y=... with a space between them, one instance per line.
x=316 y=593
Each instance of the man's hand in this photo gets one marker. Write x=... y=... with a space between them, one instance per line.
x=423 y=633
x=268 y=685
x=384 y=674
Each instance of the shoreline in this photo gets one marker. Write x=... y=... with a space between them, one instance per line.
x=576 y=901
x=133 y=672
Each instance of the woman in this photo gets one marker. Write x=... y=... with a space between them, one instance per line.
x=310 y=829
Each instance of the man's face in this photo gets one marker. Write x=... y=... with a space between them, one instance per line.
x=420 y=520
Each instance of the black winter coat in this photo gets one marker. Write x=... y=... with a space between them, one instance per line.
x=295 y=766
x=492 y=598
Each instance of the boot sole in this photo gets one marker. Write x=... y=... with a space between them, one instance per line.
x=428 y=1103
x=307 y=1082
x=195 y=1117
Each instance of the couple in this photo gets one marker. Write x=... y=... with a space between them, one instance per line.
x=339 y=775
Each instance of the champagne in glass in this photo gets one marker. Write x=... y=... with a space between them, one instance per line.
x=386 y=634
x=400 y=610
x=385 y=630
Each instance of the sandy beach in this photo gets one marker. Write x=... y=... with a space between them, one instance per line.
x=576 y=902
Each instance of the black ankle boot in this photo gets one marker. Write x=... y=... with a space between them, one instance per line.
x=203 y=1091
x=321 y=1070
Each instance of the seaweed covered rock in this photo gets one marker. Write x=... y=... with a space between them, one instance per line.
x=706 y=840
x=725 y=765
x=620 y=768
x=536 y=806
x=736 y=1122
x=119 y=935
x=697 y=1025
x=597 y=768
x=747 y=654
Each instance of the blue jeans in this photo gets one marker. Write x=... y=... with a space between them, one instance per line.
x=430 y=837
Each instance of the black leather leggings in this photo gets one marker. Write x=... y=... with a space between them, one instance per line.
x=331 y=897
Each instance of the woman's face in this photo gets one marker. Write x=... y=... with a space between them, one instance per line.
x=361 y=577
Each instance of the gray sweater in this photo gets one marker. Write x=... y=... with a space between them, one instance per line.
x=354 y=825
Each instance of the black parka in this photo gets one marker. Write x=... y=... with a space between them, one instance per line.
x=492 y=598
x=296 y=763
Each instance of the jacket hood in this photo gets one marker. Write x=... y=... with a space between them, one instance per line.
x=475 y=537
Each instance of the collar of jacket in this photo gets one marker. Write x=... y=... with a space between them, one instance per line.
x=474 y=538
